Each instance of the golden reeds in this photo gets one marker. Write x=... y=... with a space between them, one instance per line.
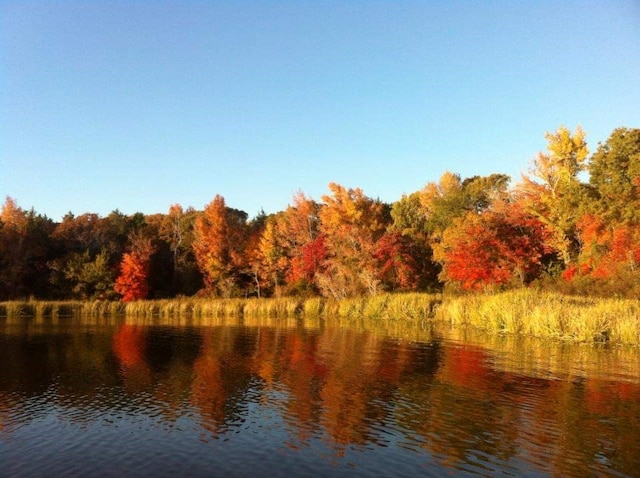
x=520 y=312
x=33 y=308
x=548 y=315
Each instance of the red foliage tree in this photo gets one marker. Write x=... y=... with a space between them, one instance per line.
x=397 y=265
x=498 y=246
x=608 y=250
x=309 y=261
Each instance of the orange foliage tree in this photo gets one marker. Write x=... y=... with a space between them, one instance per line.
x=610 y=232
x=291 y=248
x=220 y=235
x=255 y=230
x=133 y=281
x=608 y=250
x=352 y=223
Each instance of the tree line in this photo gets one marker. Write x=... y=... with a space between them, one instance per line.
x=571 y=223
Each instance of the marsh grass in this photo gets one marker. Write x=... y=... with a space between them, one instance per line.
x=42 y=309
x=275 y=307
x=412 y=306
x=520 y=312
x=102 y=308
x=313 y=307
x=218 y=307
x=549 y=315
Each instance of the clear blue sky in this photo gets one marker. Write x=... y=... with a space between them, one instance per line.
x=135 y=105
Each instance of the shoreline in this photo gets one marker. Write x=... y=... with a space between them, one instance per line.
x=522 y=312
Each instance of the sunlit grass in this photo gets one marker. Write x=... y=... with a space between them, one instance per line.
x=549 y=315
x=276 y=307
x=313 y=307
x=413 y=306
x=522 y=312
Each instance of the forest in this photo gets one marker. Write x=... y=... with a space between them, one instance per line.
x=571 y=224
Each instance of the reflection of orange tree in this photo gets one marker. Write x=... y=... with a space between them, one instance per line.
x=303 y=375
x=597 y=427
x=337 y=379
x=353 y=402
x=568 y=428
x=622 y=438
x=291 y=360
x=264 y=359
x=460 y=423
x=129 y=346
x=221 y=376
x=208 y=393
x=344 y=381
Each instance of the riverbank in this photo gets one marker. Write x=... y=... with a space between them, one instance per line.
x=521 y=312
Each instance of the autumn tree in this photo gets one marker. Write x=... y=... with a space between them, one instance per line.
x=307 y=249
x=424 y=216
x=133 y=281
x=453 y=197
x=255 y=231
x=291 y=248
x=219 y=246
x=398 y=267
x=175 y=235
x=90 y=249
x=502 y=245
x=275 y=261
x=609 y=232
x=553 y=192
x=409 y=222
x=25 y=249
x=351 y=223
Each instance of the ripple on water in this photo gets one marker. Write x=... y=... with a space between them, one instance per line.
x=364 y=408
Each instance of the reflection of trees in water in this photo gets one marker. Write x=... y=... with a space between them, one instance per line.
x=353 y=402
x=129 y=344
x=304 y=374
x=465 y=419
x=351 y=388
x=222 y=379
x=11 y=404
x=43 y=355
x=596 y=426
x=208 y=393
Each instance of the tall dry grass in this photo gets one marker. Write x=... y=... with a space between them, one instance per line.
x=520 y=312
x=548 y=315
x=274 y=307
x=44 y=309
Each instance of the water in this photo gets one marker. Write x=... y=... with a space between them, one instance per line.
x=309 y=398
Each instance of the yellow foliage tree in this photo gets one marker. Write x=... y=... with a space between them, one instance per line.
x=552 y=191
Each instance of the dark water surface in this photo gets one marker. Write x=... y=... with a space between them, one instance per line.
x=309 y=398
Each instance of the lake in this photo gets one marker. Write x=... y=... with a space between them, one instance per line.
x=309 y=397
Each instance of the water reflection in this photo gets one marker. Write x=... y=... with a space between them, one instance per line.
x=362 y=397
